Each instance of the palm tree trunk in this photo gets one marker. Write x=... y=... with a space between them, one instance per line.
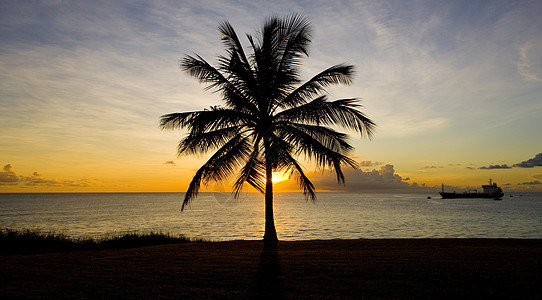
x=270 y=234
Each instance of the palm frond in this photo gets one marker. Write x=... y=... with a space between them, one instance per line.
x=313 y=148
x=200 y=69
x=303 y=181
x=226 y=160
x=205 y=73
x=219 y=167
x=202 y=142
x=338 y=74
x=330 y=138
x=341 y=112
x=177 y=120
x=241 y=84
x=229 y=36
x=344 y=113
x=295 y=38
x=276 y=57
x=253 y=173
x=206 y=120
x=193 y=188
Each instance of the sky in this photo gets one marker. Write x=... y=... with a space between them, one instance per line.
x=455 y=88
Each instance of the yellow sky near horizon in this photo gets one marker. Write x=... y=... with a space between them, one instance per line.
x=172 y=178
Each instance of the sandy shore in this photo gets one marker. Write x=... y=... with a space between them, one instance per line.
x=411 y=268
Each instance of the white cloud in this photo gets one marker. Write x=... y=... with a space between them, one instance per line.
x=530 y=60
x=368 y=163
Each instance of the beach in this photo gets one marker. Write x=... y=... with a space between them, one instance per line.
x=326 y=269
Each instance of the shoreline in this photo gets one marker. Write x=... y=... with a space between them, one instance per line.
x=370 y=268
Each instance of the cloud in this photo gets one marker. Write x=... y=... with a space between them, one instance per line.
x=170 y=163
x=529 y=65
x=368 y=163
x=491 y=167
x=37 y=179
x=8 y=176
x=356 y=180
x=530 y=163
x=536 y=182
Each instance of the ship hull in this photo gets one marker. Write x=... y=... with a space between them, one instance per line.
x=445 y=195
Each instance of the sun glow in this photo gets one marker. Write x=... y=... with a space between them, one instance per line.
x=279 y=176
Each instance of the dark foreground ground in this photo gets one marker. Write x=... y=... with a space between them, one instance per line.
x=424 y=268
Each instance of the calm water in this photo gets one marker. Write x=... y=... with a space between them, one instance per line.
x=217 y=216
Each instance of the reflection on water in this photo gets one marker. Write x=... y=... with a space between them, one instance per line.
x=334 y=215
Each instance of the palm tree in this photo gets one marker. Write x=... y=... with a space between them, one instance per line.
x=269 y=118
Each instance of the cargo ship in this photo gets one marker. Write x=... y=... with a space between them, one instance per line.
x=491 y=190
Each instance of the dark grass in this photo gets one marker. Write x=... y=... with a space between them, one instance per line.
x=35 y=241
x=334 y=269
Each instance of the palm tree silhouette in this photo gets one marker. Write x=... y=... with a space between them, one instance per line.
x=269 y=118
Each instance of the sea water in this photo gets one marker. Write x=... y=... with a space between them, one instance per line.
x=218 y=216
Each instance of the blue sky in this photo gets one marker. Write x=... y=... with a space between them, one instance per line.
x=453 y=86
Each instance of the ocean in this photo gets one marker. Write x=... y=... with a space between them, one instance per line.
x=219 y=217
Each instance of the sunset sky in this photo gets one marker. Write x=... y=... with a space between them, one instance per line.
x=455 y=88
